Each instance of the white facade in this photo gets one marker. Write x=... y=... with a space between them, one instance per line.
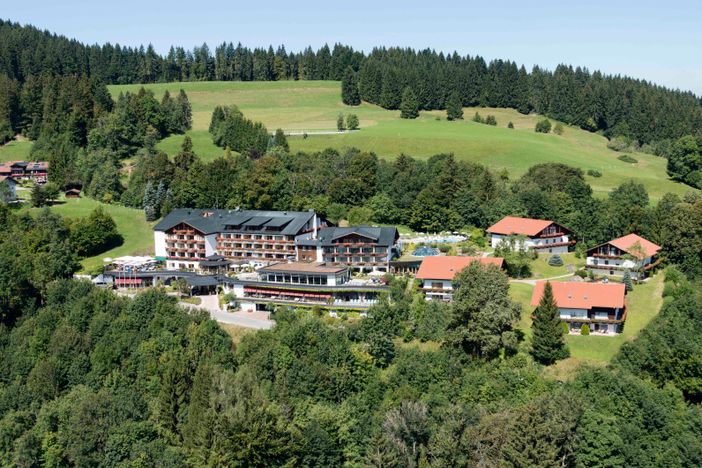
x=210 y=244
x=160 y=244
x=573 y=313
x=575 y=318
x=437 y=290
x=541 y=244
x=615 y=266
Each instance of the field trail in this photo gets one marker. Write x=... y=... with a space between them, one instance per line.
x=312 y=107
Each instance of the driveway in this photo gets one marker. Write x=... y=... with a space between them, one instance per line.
x=256 y=320
x=533 y=281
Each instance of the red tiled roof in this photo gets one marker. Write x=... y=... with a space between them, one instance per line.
x=513 y=225
x=627 y=242
x=575 y=295
x=443 y=267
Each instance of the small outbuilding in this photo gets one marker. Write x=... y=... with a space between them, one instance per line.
x=72 y=193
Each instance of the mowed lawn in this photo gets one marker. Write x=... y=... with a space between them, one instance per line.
x=15 y=151
x=309 y=106
x=643 y=304
x=137 y=233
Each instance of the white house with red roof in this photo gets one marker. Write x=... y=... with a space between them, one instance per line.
x=437 y=273
x=602 y=306
x=631 y=252
x=542 y=235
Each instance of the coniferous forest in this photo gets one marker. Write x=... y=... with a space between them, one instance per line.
x=90 y=378
x=616 y=105
x=93 y=378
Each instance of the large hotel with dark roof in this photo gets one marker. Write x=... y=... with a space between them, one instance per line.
x=189 y=239
x=186 y=237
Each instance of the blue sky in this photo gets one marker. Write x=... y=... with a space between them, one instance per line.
x=656 y=40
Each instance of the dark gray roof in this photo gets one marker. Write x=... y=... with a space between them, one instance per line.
x=196 y=281
x=385 y=236
x=213 y=221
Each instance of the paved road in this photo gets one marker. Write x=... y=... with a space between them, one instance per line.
x=319 y=132
x=258 y=321
x=242 y=319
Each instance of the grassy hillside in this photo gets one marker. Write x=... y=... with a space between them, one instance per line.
x=138 y=237
x=310 y=106
x=643 y=304
x=15 y=151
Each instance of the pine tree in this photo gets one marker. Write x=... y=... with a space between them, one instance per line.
x=409 y=107
x=279 y=140
x=172 y=398
x=197 y=432
x=150 y=202
x=349 y=88
x=547 y=343
x=628 y=284
x=340 y=123
x=38 y=198
x=454 y=107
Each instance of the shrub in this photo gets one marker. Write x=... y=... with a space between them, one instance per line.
x=558 y=129
x=510 y=125
x=352 y=121
x=340 y=126
x=477 y=118
x=620 y=143
x=580 y=250
x=490 y=120
x=566 y=328
x=627 y=159
x=555 y=260
x=585 y=329
x=594 y=173
x=543 y=126
x=581 y=273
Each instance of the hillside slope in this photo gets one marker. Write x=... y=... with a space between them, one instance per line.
x=309 y=106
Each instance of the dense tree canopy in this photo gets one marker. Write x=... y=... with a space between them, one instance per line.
x=617 y=105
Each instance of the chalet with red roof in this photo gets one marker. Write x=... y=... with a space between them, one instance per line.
x=542 y=235
x=631 y=252
x=437 y=273
x=601 y=306
x=21 y=170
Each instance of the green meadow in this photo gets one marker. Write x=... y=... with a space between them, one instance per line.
x=137 y=234
x=15 y=151
x=313 y=106
x=643 y=304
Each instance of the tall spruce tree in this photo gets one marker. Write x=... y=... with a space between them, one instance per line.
x=454 y=106
x=547 y=343
x=150 y=202
x=628 y=284
x=409 y=107
x=349 y=88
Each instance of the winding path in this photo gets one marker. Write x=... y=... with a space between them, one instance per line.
x=533 y=281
